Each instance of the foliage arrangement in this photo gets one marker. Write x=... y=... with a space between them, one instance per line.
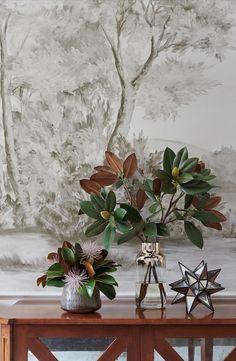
x=83 y=267
x=124 y=204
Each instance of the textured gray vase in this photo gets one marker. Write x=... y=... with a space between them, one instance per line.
x=72 y=301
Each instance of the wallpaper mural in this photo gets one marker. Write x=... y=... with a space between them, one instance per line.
x=78 y=77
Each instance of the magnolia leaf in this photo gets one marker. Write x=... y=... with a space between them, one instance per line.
x=104 y=168
x=196 y=187
x=55 y=282
x=42 y=280
x=212 y=202
x=90 y=186
x=68 y=256
x=221 y=217
x=114 y=162
x=150 y=229
x=55 y=271
x=107 y=290
x=123 y=226
x=109 y=236
x=184 y=178
x=110 y=201
x=162 y=230
x=106 y=279
x=82 y=290
x=130 y=165
x=180 y=157
x=138 y=227
x=193 y=234
x=168 y=160
x=98 y=202
x=141 y=198
x=119 y=214
x=205 y=216
x=96 y=228
x=216 y=225
x=157 y=186
x=187 y=201
x=189 y=165
x=104 y=178
x=132 y=213
x=148 y=187
x=90 y=285
x=88 y=208
x=153 y=207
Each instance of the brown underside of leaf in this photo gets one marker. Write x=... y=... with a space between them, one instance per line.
x=89 y=268
x=212 y=202
x=141 y=198
x=130 y=165
x=221 y=217
x=65 y=265
x=157 y=186
x=52 y=256
x=42 y=280
x=105 y=168
x=114 y=162
x=215 y=225
x=90 y=186
x=67 y=244
x=104 y=178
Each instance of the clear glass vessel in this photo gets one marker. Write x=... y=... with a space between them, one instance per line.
x=150 y=277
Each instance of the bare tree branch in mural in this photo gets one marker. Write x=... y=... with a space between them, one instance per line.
x=7 y=122
x=173 y=27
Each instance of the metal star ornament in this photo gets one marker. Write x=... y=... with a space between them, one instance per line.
x=196 y=286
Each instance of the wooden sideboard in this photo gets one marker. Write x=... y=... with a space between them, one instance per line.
x=133 y=332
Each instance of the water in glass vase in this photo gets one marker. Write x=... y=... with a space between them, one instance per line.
x=150 y=277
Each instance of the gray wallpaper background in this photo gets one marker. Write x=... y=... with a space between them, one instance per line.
x=79 y=76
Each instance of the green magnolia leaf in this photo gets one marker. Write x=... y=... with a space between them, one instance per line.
x=88 y=208
x=106 y=279
x=130 y=234
x=102 y=271
x=110 y=201
x=123 y=226
x=103 y=263
x=68 y=255
x=119 y=214
x=108 y=290
x=180 y=157
x=188 y=165
x=150 y=229
x=103 y=192
x=55 y=271
x=188 y=201
x=193 y=234
x=168 y=188
x=196 y=187
x=206 y=216
x=153 y=208
x=132 y=214
x=168 y=160
x=55 y=282
x=109 y=236
x=184 y=178
x=148 y=187
x=96 y=228
x=163 y=176
x=162 y=230
x=98 y=202
x=90 y=285
x=82 y=290
x=178 y=216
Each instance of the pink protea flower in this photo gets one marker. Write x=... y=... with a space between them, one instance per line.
x=90 y=249
x=75 y=278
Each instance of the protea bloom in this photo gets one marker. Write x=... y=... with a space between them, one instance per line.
x=90 y=250
x=75 y=279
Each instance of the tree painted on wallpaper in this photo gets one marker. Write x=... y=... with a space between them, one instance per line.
x=169 y=27
x=72 y=73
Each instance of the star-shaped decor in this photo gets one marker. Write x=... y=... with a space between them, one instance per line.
x=196 y=286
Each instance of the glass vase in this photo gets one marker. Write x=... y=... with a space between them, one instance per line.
x=150 y=277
